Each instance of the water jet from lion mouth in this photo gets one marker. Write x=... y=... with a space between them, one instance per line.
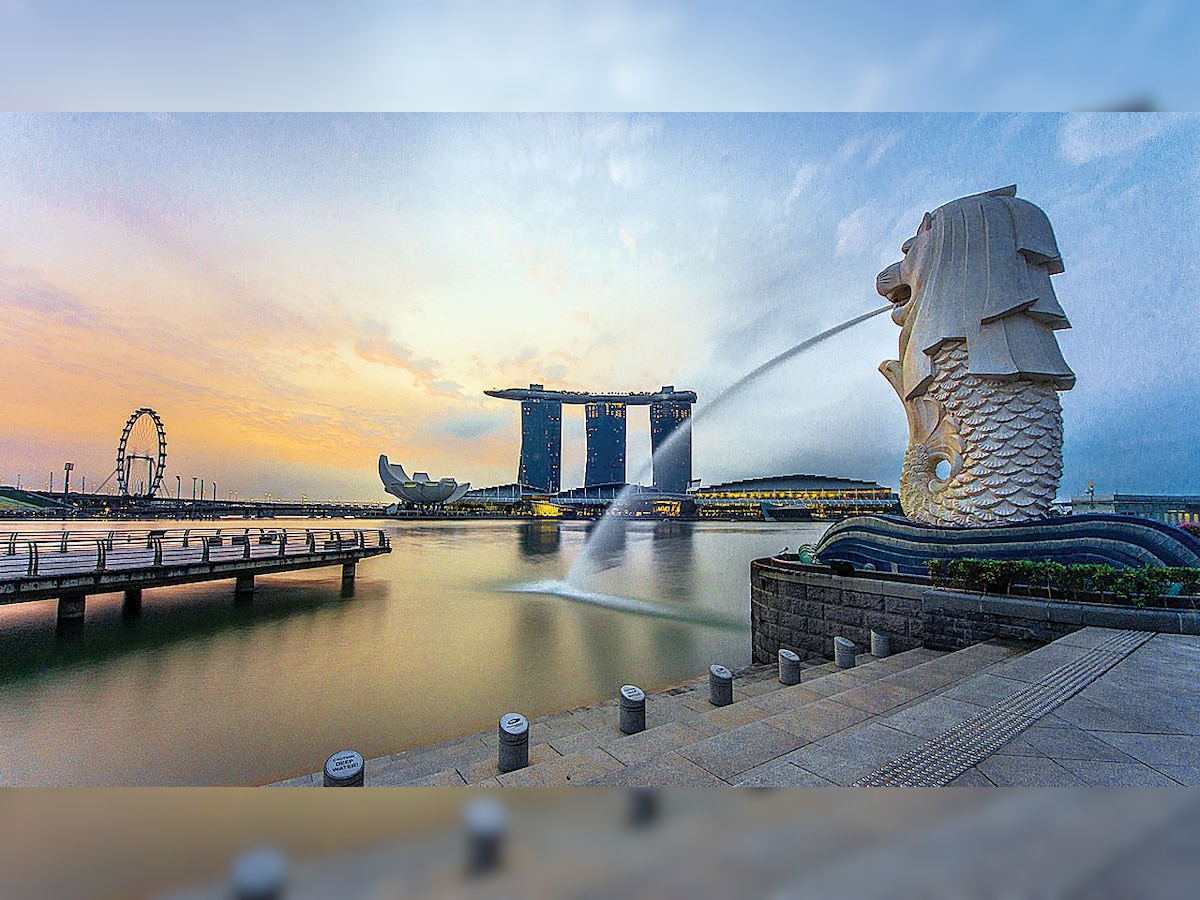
x=583 y=563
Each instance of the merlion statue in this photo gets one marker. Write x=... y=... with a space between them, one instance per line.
x=979 y=368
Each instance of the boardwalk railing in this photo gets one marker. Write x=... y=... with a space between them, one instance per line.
x=31 y=554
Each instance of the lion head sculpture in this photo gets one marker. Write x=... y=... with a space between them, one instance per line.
x=979 y=365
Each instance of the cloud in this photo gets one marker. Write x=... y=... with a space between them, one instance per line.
x=628 y=242
x=806 y=173
x=374 y=345
x=45 y=298
x=467 y=426
x=890 y=140
x=1087 y=137
x=853 y=232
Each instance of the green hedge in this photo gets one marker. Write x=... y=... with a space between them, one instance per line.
x=1146 y=586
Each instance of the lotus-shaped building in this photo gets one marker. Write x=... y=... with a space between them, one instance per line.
x=420 y=489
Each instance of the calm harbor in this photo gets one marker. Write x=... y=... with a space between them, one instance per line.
x=440 y=636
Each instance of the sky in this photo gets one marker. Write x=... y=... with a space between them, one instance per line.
x=297 y=293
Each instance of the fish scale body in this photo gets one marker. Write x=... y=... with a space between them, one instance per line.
x=1003 y=440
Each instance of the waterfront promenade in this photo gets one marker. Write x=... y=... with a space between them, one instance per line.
x=1098 y=707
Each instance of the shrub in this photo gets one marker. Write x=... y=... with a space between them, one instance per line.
x=1147 y=585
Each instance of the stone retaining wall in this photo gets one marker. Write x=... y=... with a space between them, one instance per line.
x=804 y=607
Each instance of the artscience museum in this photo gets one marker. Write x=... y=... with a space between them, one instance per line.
x=419 y=490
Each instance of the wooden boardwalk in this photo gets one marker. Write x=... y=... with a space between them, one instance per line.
x=69 y=565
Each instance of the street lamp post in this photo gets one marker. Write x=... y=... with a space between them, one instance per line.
x=193 y=488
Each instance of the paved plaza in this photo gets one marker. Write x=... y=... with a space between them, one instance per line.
x=1098 y=707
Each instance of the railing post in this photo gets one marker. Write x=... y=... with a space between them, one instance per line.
x=12 y=543
x=32 y=568
x=185 y=537
x=246 y=547
x=100 y=561
x=204 y=542
x=362 y=539
x=110 y=539
x=62 y=548
x=283 y=542
x=157 y=552
x=312 y=542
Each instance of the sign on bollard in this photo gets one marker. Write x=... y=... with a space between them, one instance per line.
x=344 y=769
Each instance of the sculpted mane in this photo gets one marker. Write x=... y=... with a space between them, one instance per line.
x=978 y=270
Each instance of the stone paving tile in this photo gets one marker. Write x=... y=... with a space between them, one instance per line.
x=725 y=717
x=844 y=758
x=585 y=740
x=1018 y=746
x=732 y=752
x=1156 y=750
x=899 y=661
x=1087 y=638
x=309 y=780
x=481 y=771
x=971 y=778
x=1189 y=775
x=931 y=717
x=777 y=774
x=669 y=769
x=878 y=697
x=557 y=725
x=984 y=690
x=817 y=720
x=701 y=704
x=759 y=688
x=1039 y=663
x=448 y=778
x=1027 y=771
x=786 y=698
x=601 y=714
x=410 y=766
x=578 y=768
x=839 y=681
x=1071 y=743
x=1162 y=708
x=637 y=748
x=1106 y=773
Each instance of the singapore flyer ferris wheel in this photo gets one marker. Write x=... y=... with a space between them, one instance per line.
x=141 y=454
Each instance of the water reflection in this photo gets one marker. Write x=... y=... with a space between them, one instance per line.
x=539 y=538
x=434 y=644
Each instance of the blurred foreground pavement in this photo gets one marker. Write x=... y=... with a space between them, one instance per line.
x=893 y=843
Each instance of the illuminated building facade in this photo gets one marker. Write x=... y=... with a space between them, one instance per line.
x=541 y=443
x=541 y=435
x=605 y=424
x=672 y=459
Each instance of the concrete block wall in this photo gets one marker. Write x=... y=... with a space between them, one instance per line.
x=803 y=608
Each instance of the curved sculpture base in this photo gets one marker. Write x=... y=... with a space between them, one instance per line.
x=895 y=544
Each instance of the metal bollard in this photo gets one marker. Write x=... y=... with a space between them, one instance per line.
x=881 y=644
x=484 y=820
x=789 y=667
x=514 y=742
x=259 y=874
x=844 y=652
x=633 y=709
x=344 y=769
x=720 y=686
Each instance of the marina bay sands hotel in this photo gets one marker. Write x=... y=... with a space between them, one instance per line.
x=604 y=415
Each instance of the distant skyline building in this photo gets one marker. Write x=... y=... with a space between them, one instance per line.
x=605 y=424
x=672 y=460
x=540 y=466
x=541 y=443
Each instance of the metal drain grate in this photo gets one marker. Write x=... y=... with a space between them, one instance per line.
x=941 y=760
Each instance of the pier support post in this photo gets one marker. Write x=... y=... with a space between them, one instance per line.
x=348 y=573
x=133 y=597
x=244 y=587
x=71 y=605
